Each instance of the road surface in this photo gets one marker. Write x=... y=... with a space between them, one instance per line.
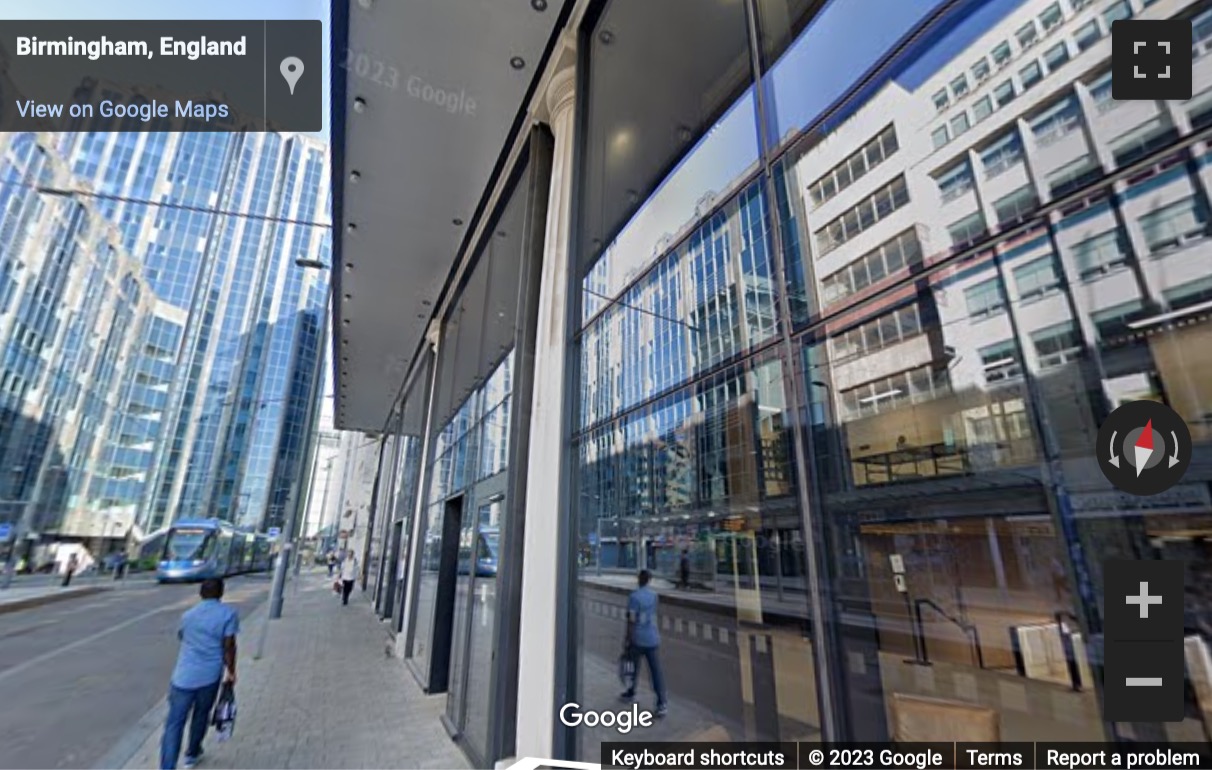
x=76 y=675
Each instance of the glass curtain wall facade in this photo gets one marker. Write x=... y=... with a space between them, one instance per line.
x=463 y=626
x=860 y=281
x=206 y=385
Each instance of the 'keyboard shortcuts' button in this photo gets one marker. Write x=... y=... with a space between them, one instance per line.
x=1143 y=681
x=1143 y=600
x=1151 y=59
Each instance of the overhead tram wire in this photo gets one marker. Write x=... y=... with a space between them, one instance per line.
x=66 y=193
x=611 y=301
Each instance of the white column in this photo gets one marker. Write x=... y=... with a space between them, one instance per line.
x=544 y=523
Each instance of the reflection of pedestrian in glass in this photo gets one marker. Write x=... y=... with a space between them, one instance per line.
x=1060 y=580
x=643 y=640
x=684 y=570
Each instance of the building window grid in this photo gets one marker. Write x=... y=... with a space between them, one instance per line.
x=891 y=256
x=866 y=213
x=855 y=166
x=886 y=394
x=877 y=334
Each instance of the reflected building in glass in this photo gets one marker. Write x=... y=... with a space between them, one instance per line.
x=842 y=294
x=979 y=269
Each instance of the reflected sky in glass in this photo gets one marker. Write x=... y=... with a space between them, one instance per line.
x=845 y=40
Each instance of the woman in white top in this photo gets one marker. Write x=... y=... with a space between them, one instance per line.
x=349 y=574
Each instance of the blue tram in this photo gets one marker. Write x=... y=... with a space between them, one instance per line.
x=196 y=550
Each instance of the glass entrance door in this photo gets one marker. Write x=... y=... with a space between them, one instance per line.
x=475 y=623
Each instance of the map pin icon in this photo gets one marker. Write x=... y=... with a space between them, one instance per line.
x=292 y=70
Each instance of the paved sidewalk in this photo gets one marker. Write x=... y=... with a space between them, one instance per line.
x=325 y=695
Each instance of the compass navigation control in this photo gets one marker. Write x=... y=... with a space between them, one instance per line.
x=1144 y=448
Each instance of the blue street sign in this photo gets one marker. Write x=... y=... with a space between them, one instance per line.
x=274 y=532
x=6 y=531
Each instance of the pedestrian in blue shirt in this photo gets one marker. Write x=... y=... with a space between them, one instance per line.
x=207 y=657
x=643 y=640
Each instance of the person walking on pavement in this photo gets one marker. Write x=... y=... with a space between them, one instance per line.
x=332 y=562
x=349 y=574
x=73 y=563
x=207 y=658
x=684 y=570
x=643 y=640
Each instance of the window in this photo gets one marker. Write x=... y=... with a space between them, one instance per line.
x=888 y=393
x=939 y=137
x=1004 y=93
x=1051 y=17
x=1057 y=345
x=1000 y=362
x=1001 y=54
x=866 y=213
x=1100 y=254
x=985 y=298
x=855 y=166
x=1036 y=278
x=1120 y=10
x=1141 y=141
x=1016 y=205
x=1100 y=91
x=1027 y=35
x=1199 y=110
x=1057 y=121
x=1073 y=175
x=1189 y=293
x=1079 y=4
x=1201 y=31
x=955 y=181
x=1056 y=56
x=880 y=333
x=1087 y=35
x=941 y=100
x=1030 y=75
x=980 y=70
x=1114 y=321
x=959 y=124
x=1174 y=225
x=967 y=230
x=982 y=109
x=959 y=87
x=885 y=259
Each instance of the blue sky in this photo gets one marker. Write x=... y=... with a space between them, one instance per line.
x=177 y=9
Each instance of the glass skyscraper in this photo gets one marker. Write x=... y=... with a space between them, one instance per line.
x=162 y=350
